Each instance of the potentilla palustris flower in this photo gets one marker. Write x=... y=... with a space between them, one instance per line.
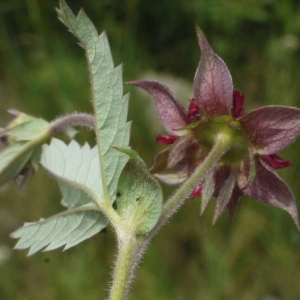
x=248 y=167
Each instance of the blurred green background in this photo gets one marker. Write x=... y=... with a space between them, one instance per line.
x=43 y=73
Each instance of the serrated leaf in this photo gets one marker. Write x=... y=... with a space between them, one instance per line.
x=110 y=106
x=68 y=228
x=73 y=197
x=12 y=160
x=139 y=200
x=78 y=166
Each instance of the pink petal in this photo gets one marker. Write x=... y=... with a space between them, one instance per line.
x=268 y=188
x=166 y=139
x=213 y=88
x=271 y=128
x=172 y=114
x=238 y=104
x=276 y=162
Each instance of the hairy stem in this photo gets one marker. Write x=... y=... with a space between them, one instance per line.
x=122 y=273
x=61 y=124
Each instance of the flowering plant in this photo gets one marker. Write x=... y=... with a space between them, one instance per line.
x=215 y=149
x=246 y=167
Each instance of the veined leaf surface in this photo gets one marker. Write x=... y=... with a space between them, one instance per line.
x=72 y=197
x=76 y=165
x=110 y=106
x=68 y=228
x=140 y=196
x=78 y=172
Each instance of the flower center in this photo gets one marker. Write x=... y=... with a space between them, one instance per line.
x=206 y=132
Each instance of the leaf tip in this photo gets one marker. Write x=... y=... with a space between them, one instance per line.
x=294 y=215
x=128 y=151
x=202 y=40
x=199 y=31
x=216 y=217
x=202 y=211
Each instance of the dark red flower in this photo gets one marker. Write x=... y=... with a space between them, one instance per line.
x=248 y=167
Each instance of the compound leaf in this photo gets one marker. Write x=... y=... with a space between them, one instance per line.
x=87 y=174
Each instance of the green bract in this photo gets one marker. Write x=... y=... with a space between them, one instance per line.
x=139 y=200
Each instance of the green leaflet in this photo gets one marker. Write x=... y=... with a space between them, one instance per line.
x=95 y=171
x=79 y=167
x=76 y=165
x=67 y=228
x=24 y=136
x=139 y=197
x=29 y=130
x=13 y=158
x=73 y=197
x=110 y=106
